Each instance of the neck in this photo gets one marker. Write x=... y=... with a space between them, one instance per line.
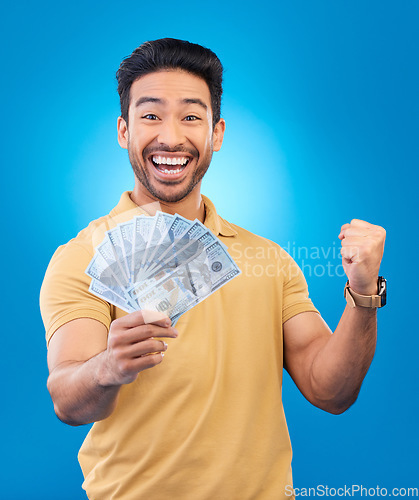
x=191 y=207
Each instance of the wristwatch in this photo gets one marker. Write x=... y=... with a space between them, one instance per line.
x=370 y=301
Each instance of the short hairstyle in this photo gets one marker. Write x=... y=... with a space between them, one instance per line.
x=170 y=53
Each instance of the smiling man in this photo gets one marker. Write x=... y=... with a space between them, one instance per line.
x=206 y=421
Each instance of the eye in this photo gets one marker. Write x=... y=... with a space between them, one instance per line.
x=150 y=116
x=191 y=118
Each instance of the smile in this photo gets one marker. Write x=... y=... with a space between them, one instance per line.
x=170 y=165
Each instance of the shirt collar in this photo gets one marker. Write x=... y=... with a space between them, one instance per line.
x=216 y=224
x=128 y=209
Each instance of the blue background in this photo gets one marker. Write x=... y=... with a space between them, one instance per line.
x=321 y=103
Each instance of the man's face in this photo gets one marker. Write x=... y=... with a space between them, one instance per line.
x=169 y=137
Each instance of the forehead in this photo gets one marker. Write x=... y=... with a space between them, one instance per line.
x=170 y=85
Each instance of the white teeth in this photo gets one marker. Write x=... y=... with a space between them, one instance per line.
x=177 y=171
x=163 y=160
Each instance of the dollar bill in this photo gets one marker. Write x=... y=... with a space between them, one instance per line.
x=102 y=291
x=126 y=230
x=142 y=228
x=177 y=226
x=107 y=252
x=105 y=273
x=186 y=243
x=118 y=248
x=171 y=295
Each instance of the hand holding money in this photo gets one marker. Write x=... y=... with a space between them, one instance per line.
x=133 y=346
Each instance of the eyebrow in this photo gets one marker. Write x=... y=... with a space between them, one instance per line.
x=195 y=101
x=146 y=99
x=143 y=100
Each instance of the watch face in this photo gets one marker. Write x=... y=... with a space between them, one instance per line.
x=382 y=290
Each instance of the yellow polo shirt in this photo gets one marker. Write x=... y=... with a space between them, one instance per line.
x=208 y=422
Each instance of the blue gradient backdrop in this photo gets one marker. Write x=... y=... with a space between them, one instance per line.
x=321 y=103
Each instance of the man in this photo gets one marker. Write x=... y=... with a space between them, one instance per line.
x=205 y=422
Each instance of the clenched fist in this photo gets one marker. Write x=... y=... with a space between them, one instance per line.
x=362 y=251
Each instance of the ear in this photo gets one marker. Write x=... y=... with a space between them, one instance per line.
x=218 y=134
x=122 y=132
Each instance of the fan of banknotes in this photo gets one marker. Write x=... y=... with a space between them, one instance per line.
x=162 y=263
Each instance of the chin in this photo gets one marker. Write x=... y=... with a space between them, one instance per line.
x=170 y=196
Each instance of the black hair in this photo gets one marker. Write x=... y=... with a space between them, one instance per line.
x=170 y=53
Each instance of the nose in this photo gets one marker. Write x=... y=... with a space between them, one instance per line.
x=171 y=133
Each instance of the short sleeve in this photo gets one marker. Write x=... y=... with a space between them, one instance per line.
x=65 y=292
x=295 y=290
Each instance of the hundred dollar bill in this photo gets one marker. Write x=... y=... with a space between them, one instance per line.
x=107 y=251
x=108 y=274
x=177 y=226
x=142 y=228
x=185 y=244
x=187 y=249
x=172 y=295
x=105 y=293
x=201 y=274
x=156 y=238
x=210 y=270
x=115 y=238
x=126 y=230
x=147 y=283
x=221 y=266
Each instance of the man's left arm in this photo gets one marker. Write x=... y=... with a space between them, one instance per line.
x=329 y=368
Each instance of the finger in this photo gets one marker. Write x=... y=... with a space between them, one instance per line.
x=132 y=367
x=359 y=241
x=361 y=223
x=356 y=231
x=146 y=347
x=138 y=318
x=350 y=253
x=143 y=332
x=145 y=362
x=342 y=230
x=355 y=224
x=156 y=317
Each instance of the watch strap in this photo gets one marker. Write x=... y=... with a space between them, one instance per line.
x=356 y=299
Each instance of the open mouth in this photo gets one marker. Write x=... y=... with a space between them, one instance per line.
x=170 y=165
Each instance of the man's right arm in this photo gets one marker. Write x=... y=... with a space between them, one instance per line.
x=88 y=367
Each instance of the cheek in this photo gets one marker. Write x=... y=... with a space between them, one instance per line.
x=209 y=144
x=205 y=142
x=137 y=142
